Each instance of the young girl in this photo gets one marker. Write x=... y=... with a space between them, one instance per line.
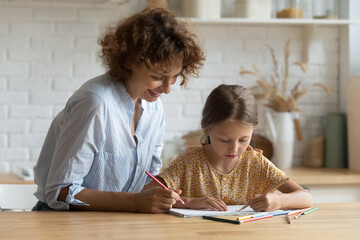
x=223 y=171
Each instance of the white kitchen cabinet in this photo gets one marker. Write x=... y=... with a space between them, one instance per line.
x=17 y=197
x=15 y=193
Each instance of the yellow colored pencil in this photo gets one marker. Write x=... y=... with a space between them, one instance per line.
x=244 y=217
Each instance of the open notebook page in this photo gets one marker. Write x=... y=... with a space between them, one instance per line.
x=232 y=210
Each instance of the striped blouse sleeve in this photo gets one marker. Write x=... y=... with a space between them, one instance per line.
x=81 y=137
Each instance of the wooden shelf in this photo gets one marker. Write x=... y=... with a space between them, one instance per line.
x=274 y=21
x=323 y=176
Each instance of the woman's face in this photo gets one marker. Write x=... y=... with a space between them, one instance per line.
x=229 y=139
x=149 y=84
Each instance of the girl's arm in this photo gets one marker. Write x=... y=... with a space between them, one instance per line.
x=292 y=196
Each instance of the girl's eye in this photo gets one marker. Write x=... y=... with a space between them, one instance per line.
x=157 y=78
x=223 y=140
x=243 y=141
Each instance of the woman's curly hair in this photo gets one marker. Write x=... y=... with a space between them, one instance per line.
x=153 y=37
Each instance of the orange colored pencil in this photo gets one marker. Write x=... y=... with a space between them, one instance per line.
x=298 y=211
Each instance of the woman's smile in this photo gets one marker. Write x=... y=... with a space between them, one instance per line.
x=154 y=93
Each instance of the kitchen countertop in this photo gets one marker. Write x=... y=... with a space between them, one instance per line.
x=303 y=176
x=323 y=176
x=8 y=178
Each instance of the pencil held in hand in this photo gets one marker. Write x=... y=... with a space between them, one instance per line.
x=160 y=183
x=271 y=189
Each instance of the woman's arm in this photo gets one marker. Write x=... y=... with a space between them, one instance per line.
x=152 y=200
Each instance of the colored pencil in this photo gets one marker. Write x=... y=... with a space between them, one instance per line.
x=255 y=219
x=160 y=183
x=271 y=189
x=311 y=210
x=280 y=212
x=298 y=211
x=288 y=219
x=259 y=214
x=244 y=217
x=299 y=214
x=221 y=220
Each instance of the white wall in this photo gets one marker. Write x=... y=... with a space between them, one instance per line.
x=47 y=51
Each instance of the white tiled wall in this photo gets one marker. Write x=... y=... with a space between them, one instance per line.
x=47 y=51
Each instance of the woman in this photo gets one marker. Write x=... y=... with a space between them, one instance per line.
x=110 y=131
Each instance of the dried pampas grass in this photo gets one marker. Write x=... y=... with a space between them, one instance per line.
x=273 y=91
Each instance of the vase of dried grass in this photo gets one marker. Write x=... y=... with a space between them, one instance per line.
x=283 y=138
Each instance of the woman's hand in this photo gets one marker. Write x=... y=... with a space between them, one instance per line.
x=250 y=148
x=206 y=203
x=156 y=200
x=269 y=202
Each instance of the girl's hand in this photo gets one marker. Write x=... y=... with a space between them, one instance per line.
x=156 y=200
x=267 y=203
x=206 y=203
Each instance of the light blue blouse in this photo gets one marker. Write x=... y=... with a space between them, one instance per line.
x=89 y=144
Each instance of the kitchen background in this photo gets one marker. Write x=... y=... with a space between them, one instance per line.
x=48 y=49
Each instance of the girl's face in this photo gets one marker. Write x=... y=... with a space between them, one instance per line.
x=149 y=84
x=229 y=139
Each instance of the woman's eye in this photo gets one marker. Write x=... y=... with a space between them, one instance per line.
x=174 y=80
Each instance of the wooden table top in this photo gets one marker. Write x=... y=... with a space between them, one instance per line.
x=332 y=221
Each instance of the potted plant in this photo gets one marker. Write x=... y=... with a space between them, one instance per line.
x=273 y=93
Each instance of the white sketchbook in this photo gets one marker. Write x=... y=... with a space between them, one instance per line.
x=232 y=210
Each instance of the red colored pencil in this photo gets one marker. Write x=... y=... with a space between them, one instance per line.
x=162 y=185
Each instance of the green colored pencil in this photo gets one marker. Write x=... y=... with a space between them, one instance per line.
x=311 y=210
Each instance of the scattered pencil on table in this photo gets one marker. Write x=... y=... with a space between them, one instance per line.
x=311 y=210
x=299 y=214
x=288 y=219
x=298 y=211
x=244 y=217
x=221 y=220
x=256 y=218
x=279 y=212
x=259 y=214
x=160 y=183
